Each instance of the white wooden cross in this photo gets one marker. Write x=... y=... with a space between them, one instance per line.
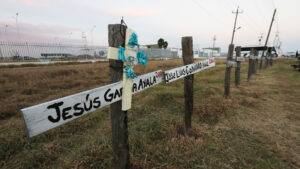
x=51 y=114
x=129 y=59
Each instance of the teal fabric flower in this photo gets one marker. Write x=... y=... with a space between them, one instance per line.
x=133 y=41
x=121 y=54
x=130 y=61
x=129 y=72
x=142 y=58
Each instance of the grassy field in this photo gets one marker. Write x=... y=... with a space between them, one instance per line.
x=258 y=127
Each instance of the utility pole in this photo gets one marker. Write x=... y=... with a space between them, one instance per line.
x=1 y=55
x=17 y=25
x=214 y=41
x=69 y=38
x=5 y=29
x=276 y=39
x=229 y=57
x=85 y=47
x=266 y=43
x=260 y=39
x=234 y=28
x=92 y=38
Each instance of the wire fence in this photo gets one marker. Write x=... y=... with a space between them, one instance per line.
x=30 y=51
x=50 y=51
x=160 y=53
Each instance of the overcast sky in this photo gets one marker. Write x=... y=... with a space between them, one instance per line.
x=65 y=20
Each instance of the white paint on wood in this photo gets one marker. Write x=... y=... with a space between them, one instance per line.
x=231 y=64
x=131 y=52
x=127 y=82
x=178 y=73
x=127 y=93
x=240 y=59
x=113 y=53
x=253 y=57
x=42 y=117
x=128 y=36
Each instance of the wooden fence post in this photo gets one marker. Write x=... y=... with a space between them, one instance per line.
x=238 y=66
x=250 y=68
x=267 y=60
x=271 y=60
x=261 y=60
x=228 y=71
x=188 y=58
x=255 y=62
x=116 y=38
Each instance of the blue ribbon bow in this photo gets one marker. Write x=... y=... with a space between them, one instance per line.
x=142 y=58
x=133 y=41
x=121 y=54
x=129 y=72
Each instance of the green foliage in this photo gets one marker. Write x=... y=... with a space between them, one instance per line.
x=160 y=42
x=165 y=45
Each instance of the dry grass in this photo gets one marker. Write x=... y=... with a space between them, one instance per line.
x=212 y=109
x=258 y=127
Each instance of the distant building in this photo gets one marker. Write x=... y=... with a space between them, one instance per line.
x=245 y=51
x=291 y=54
x=208 y=52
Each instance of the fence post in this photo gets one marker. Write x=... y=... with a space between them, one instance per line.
x=267 y=60
x=271 y=60
x=261 y=60
x=238 y=66
x=188 y=58
x=255 y=62
x=116 y=38
x=1 y=55
x=250 y=67
x=228 y=71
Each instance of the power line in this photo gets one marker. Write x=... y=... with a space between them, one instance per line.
x=260 y=38
x=266 y=43
x=254 y=29
x=260 y=10
x=249 y=20
x=273 y=3
x=257 y=29
x=208 y=13
x=254 y=22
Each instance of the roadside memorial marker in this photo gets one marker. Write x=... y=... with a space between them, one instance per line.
x=130 y=55
x=45 y=116
x=181 y=72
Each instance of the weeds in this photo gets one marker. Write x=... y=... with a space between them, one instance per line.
x=255 y=128
x=211 y=110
